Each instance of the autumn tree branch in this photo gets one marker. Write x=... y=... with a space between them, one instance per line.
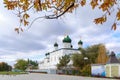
x=52 y=16
x=57 y=16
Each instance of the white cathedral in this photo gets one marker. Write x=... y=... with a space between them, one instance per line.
x=52 y=58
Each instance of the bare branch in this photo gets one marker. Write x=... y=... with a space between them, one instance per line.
x=56 y=16
x=52 y=16
x=35 y=20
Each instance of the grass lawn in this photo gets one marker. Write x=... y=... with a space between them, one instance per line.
x=11 y=73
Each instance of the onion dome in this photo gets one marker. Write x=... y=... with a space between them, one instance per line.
x=80 y=42
x=67 y=39
x=47 y=54
x=55 y=45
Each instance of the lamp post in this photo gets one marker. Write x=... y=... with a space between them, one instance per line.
x=85 y=59
x=86 y=69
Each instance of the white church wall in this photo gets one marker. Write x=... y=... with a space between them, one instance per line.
x=67 y=45
x=69 y=52
x=53 y=60
x=54 y=57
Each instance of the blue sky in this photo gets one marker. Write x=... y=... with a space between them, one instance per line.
x=39 y=39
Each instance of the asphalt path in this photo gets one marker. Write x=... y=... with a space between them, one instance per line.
x=38 y=76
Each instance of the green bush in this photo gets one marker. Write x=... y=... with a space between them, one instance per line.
x=86 y=71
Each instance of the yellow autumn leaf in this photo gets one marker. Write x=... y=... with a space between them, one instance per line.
x=17 y=30
x=118 y=15
x=94 y=3
x=100 y=20
x=26 y=23
x=26 y=16
x=83 y=2
x=114 y=27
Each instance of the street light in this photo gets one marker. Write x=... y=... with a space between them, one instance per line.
x=85 y=59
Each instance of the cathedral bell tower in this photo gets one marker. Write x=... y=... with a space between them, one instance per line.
x=67 y=42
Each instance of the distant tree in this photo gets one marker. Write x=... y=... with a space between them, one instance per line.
x=24 y=64
x=102 y=55
x=57 y=8
x=32 y=64
x=78 y=61
x=83 y=51
x=86 y=71
x=21 y=64
x=92 y=53
x=5 y=67
x=95 y=52
x=63 y=61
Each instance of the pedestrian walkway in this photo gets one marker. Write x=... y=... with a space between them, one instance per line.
x=38 y=76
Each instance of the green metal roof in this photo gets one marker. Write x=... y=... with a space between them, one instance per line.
x=67 y=39
x=56 y=44
x=80 y=42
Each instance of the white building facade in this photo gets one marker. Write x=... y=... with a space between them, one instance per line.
x=49 y=64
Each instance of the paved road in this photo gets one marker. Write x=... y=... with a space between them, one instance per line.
x=37 y=76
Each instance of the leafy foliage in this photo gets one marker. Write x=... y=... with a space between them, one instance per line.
x=102 y=56
x=33 y=64
x=24 y=64
x=21 y=64
x=5 y=67
x=86 y=71
x=92 y=53
x=95 y=54
x=78 y=61
x=64 y=60
x=60 y=7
